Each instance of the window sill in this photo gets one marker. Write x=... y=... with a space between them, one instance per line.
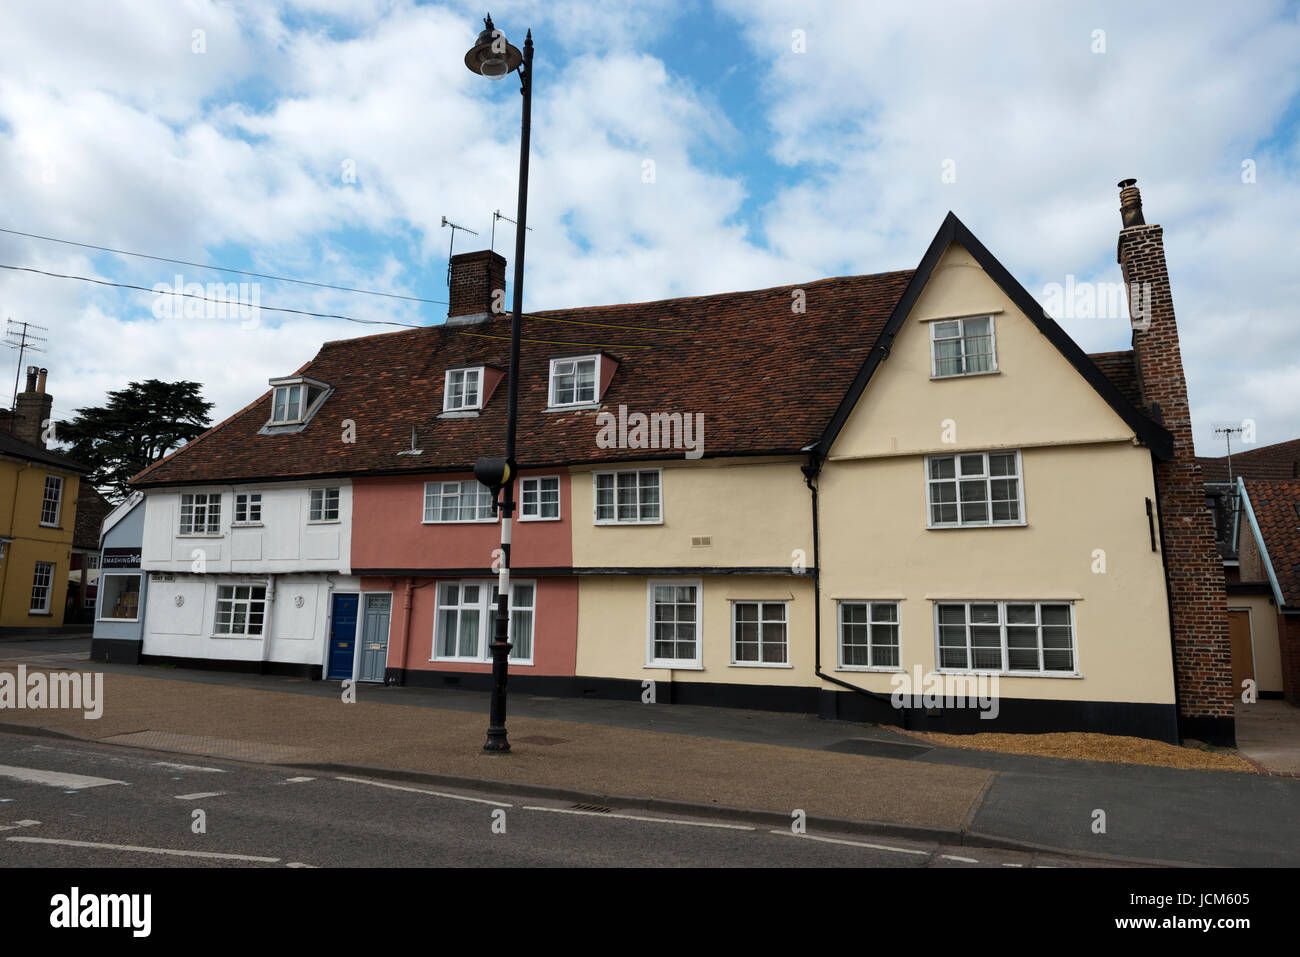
x=58 y=528
x=237 y=637
x=963 y=375
x=462 y=521
x=872 y=669
x=574 y=407
x=119 y=621
x=537 y=518
x=199 y=535
x=945 y=528
x=522 y=663
x=1009 y=674
x=246 y=525
x=674 y=666
x=610 y=524
x=460 y=413
x=323 y=521
x=758 y=664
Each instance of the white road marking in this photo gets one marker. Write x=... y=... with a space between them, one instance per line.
x=299 y=864
x=634 y=817
x=187 y=767
x=1013 y=865
x=199 y=795
x=298 y=780
x=398 y=787
x=170 y=852
x=54 y=779
x=834 y=840
x=18 y=824
x=954 y=857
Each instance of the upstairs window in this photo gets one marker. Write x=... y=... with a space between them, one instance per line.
x=200 y=514
x=248 y=508
x=539 y=499
x=628 y=498
x=463 y=390
x=962 y=347
x=53 y=498
x=573 y=381
x=294 y=400
x=977 y=488
x=324 y=505
x=467 y=501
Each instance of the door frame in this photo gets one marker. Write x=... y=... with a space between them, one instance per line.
x=1254 y=673
x=329 y=629
x=361 y=620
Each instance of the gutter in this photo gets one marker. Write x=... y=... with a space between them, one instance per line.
x=1263 y=549
x=810 y=473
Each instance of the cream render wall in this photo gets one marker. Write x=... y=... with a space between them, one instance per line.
x=1264 y=638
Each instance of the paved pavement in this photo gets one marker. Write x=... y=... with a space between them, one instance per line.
x=705 y=756
x=1268 y=732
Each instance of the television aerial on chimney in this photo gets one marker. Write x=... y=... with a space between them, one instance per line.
x=18 y=336
x=497 y=214
x=452 y=245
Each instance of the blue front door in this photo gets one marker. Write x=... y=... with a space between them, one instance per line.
x=343 y=636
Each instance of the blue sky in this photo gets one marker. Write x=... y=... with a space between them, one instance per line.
x=790 y=141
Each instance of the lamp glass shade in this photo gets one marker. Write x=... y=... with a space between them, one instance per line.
x=491 y=56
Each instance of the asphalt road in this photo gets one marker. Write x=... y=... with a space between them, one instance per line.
x=136 y=808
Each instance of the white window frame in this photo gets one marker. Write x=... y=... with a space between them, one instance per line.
x=306 y=406
x=486 y=608
x=57 y=501
x=44 y=609
x=677 y=664
x=785 y=620
x=962 y=320
x=595 y=392
x=249 y=506
x=482 y=520
x=465 y=372
x=324 y=492
x=870 y=623
x=102 y=591
x=211 y=529
x=988 y=485
x=536 y=481
x=248 y=605
x=1003 y=670
x=595 y=497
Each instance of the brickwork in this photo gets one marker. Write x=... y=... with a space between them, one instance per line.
x=474 y=278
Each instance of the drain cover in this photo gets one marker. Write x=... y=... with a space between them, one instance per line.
x=878 y=749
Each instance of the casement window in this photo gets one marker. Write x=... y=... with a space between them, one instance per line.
x=975 y=488
x=962 y=347
x=759 y=633
x=674 y=624
x=628 y=498
x=573 y=381
x=119 y=596
x=1014 y=637
x=465 y=623
x=52 y=500
x=201 y=514
x=869 y=634
x=462 y=390
x=241 y=610
x=294 y=400
x=324 y=505
x=42 y=584
x=248 y=508
x=467 y=501
x=539 y=499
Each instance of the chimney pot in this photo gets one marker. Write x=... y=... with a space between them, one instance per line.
x=40 y=380
x=31 y=379
x=1130 y=203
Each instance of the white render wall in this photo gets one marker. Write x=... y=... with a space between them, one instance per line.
x=285 y=542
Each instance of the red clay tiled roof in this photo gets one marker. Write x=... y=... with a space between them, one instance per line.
x=1278 y=461
x=766 y=378
x=1274 y=506
x=92 y=509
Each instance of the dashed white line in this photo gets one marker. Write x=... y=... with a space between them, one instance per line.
x=199 y=796
x=187 y=767
x=18 y=824
x=444 y=794
x=170 y=852
x=298 y=780
x=954 y=857
x=836 y=840
x=54 y=779
x=634 y=817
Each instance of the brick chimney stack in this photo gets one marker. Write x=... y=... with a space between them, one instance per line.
x=1193 y=569
x=474 y=279
x=32 y=409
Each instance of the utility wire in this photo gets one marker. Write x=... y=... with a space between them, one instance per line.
x=242 y=272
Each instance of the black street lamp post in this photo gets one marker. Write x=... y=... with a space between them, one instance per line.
x=492 y=57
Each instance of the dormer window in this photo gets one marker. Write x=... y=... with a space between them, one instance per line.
x=295 y=399
x=574 y=380
x=962 y=347
x=463 y=390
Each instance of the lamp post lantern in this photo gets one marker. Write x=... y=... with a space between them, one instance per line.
x=492 y=57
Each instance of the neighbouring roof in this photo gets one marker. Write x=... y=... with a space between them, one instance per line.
x=18 y=449
x=768 y=379
x=1272 y=508
x=92 y=509
x=1278 y=461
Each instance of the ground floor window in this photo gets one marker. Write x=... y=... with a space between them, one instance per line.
x=121 y=596
x=1008 y=636
x=465 y=621
x=869 y=634
x=674 y=624
x=759 y=633
x=241 y=609
x=42 y=581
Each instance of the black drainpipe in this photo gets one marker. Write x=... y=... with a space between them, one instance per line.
x=810 y=473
